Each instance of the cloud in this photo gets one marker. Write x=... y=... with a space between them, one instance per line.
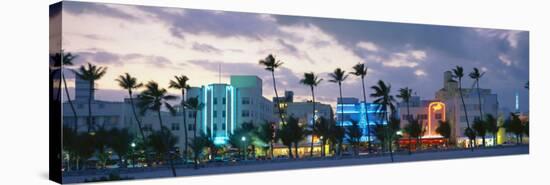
x=505 y=60
x=107 y=10
x=420 y=72
x=369 y=46
x=405 y=59
x=205 y=48
x=100 y=57
x=143 y=39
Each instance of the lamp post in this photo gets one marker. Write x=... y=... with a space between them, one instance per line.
x=243 y=139
x=133 y=145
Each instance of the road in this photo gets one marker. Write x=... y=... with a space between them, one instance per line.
x=253 y=166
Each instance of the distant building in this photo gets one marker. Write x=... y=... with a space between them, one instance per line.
x=450 y=96
x=226 y=107
x=355 y=111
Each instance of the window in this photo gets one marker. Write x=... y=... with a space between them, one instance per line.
x=191 y=114
x=215 y=126
x=190 y=127
x=101 y=105
x=223 y=100
x=246 y=100
x=245 y=113
x=79 y=106
x=215 y=101
x=223 y=114
x=223 y=126
x=215 y=114
x=175 y=126
x=438 y=116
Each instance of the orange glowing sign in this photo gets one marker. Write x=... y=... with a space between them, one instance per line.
x=435 y=107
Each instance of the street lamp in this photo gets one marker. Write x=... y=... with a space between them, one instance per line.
x=133 y=145
x=243 y=139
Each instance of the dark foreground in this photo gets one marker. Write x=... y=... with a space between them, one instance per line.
x=255 y=166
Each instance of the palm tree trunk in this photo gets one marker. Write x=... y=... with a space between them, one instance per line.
x=90 y=105
x=390 y=137
x=312 y=124
x=296 y=150
x=167 y=145
x=184 y=123
x=479 y=100
x=70 y=102
x=136 y=116
x=369 y=143
x=465 y=111
x=277 y=97
x=139 y=125
x=290 y=151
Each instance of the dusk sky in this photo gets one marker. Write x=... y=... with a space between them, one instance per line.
x=153 y=43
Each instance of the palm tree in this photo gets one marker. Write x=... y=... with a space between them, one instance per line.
x=84 y=149
x=354 y=133
x=458 y=73
x=266 y=134
x=91 y=73
x=444 y=129
x=235 y=140
x=181 y=84
x=311 y=80
x=492 y=127
x=285 y=135
x=249 y=130
x=130 y=83
x=337 y=135
x=297 y=131
x=360 y=70
x=162 y=142
x=322 y=129
x=153 y=98
x=196 y=106
x=338 y=76
x=270 y=64
x=514 y=125
x=405 y=95
x=382 y=93
x=481 y=130
x=414 y=130
x=476 y=75
x=101 y=140
x=66 y=60
x=120 y=143
x=197 y=145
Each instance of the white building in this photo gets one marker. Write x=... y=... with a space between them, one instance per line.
x=226 y=107
x=450 y=96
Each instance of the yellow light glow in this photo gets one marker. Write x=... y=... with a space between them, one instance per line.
x=433 y=107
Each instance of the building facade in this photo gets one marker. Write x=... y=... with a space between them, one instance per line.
x=455 y=112
x=225 y=108
x=350 y=110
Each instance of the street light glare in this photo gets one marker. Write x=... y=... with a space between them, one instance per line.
x=243 y=138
